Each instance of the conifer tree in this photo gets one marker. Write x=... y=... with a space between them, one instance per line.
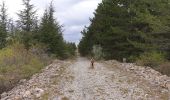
x=27 y=22
x=3 y=25
x=51 y=33
x=125 y=28
x=27 y=16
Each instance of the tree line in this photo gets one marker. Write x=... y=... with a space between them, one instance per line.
x=29 y=31
x=128 y=29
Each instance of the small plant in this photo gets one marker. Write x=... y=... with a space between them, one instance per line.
x=97 y=52
x=152 y=59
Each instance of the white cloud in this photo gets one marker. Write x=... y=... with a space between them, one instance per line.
x=73 y=14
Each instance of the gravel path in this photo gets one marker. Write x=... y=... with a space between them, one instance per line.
x=75 y=80
x=107 y=82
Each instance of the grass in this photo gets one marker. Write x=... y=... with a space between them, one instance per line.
x=164 y=68
x=152 y=59
x=155 y=60
x=18 y=63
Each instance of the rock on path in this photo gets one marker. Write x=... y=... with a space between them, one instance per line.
x=110 y=80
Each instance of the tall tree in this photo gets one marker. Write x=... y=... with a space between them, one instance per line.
x=27 y=20
x=108 y=29
x=149 y=25
x=51 y=33
x=27 y=16
x=125 y=28
x=86 y=44
x=3 y=25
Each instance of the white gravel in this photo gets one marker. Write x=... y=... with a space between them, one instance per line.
x=107 y=82
x=75 y=80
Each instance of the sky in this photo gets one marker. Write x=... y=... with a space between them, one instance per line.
x=72 y=14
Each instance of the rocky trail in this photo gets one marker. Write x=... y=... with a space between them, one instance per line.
x=109 y=80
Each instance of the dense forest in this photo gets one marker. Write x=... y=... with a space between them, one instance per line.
x=138 y=30
x=28 y=44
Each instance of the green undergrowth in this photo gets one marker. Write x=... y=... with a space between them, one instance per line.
x=155 y=60
x=18 y=63
x=152 y=59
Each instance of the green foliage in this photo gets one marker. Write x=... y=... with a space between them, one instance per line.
x=27 y=22
x=71 y=48
x=152 y=59
x=128 y=28
x=28 y=32
x=17 y=63
x=26 y=46
x=86 y=44
x=50 y=34
x=3 y=25
x=27 y=17
x=97 y=52
x=109 y=30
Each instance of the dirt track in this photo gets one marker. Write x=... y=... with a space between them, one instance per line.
x=107 y=82
x=74 y=80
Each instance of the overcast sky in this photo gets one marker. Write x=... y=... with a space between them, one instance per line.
x=73 y=14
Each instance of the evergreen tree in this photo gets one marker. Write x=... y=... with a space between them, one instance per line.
x=125 y=28
x=3 y=25
x=27 y=22
x=85 y=45
x=51 y=33
x=149 y=25
x=27 y=16
x=108 y=29
x=71 y=48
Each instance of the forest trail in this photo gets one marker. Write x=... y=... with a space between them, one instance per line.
x=75 y=80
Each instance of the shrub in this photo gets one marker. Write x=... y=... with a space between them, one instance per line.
x=152 y=59
x=164 y=68
x=132 y=59
x=17 y=63
x=97 y=52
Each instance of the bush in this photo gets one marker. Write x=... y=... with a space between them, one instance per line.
x=132 y=59
x=97 y=52
x=17 y=63
x=164 y=68
x=152 y=59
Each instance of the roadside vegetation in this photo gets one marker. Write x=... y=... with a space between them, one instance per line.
x=17 y=63
x=27 y=45
x=137 y=30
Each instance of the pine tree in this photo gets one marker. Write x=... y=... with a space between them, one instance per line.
x=51 y=33
x=85 y=45
x=3 y=25
x=27 y=16
x=108 y=29
x=71 y=48
x=27 y=22
x=149 y=25
x=125 y=28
